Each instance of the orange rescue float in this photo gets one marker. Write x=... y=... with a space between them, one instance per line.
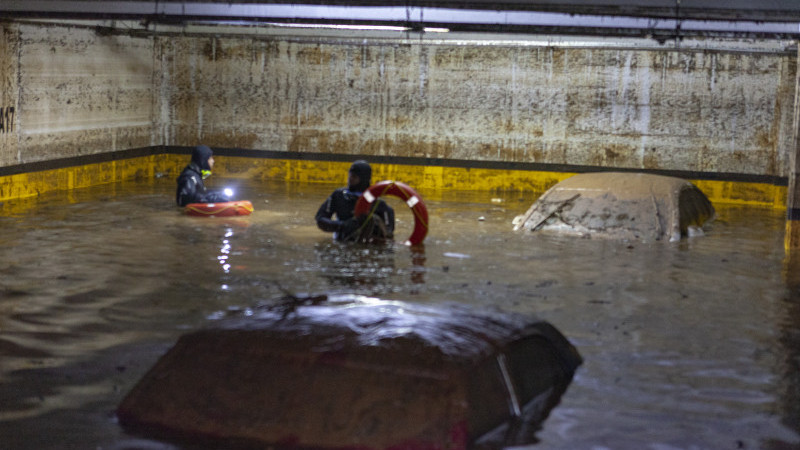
x=403 y=192
x=221 y=209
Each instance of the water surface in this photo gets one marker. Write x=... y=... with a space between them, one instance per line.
x=688 y=345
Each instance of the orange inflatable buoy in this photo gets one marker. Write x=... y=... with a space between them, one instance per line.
x=222 y=209
x=403 y=192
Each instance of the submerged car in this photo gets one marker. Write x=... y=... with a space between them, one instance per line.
x=634 y=206
x=356 y=372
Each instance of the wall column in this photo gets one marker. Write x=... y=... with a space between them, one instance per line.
x=793 y=201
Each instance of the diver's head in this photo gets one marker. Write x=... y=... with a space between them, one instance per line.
x=359 y=176
x=203 y=157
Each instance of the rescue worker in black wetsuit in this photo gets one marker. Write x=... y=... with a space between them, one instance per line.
x=190 y=182
x=378 y=225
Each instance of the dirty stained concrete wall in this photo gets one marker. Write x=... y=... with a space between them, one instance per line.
x=673 y=110
x=9 y=47
x=78 y=91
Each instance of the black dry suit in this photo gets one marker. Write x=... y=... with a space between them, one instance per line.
x=190 y=182
x=378 y=224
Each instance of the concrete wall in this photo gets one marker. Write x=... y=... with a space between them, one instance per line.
x=9 y=88
x=75 y=91
x=699 y=111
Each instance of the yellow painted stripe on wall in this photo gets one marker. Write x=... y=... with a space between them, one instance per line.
x=469 y=179
x=742 y=193
x=31 y=184
x=422 y=178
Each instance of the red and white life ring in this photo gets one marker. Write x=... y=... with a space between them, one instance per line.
x=403 y=192
x=222 y=209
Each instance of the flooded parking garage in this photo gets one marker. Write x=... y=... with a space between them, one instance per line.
x=692 y=344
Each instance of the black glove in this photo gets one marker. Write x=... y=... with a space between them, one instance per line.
x=349 y=227
x=216 y=197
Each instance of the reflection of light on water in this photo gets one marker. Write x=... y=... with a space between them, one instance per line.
x=216 y=315
x=231 y=311
x=225 y=250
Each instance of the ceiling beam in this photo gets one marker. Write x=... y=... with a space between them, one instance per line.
x=659 y=19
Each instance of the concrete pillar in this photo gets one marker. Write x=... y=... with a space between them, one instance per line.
x=793 y=201
x=791 y=267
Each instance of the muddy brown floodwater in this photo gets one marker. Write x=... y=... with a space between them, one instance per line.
x=686 y=345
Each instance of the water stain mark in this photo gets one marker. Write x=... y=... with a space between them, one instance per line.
x=6 y=119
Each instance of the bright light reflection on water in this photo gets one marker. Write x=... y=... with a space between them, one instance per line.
x=694 y=344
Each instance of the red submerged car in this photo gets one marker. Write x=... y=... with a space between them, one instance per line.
x=352 y=372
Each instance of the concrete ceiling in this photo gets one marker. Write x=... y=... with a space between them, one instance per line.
x=659 y=19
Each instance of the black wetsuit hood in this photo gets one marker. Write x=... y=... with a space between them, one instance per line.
x=363 y=170
x=200 y=156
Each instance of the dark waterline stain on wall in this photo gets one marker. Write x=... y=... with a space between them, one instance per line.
x=6 y=119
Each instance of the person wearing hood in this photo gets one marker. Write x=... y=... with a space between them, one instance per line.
x=341 y=203
x=190 y=182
